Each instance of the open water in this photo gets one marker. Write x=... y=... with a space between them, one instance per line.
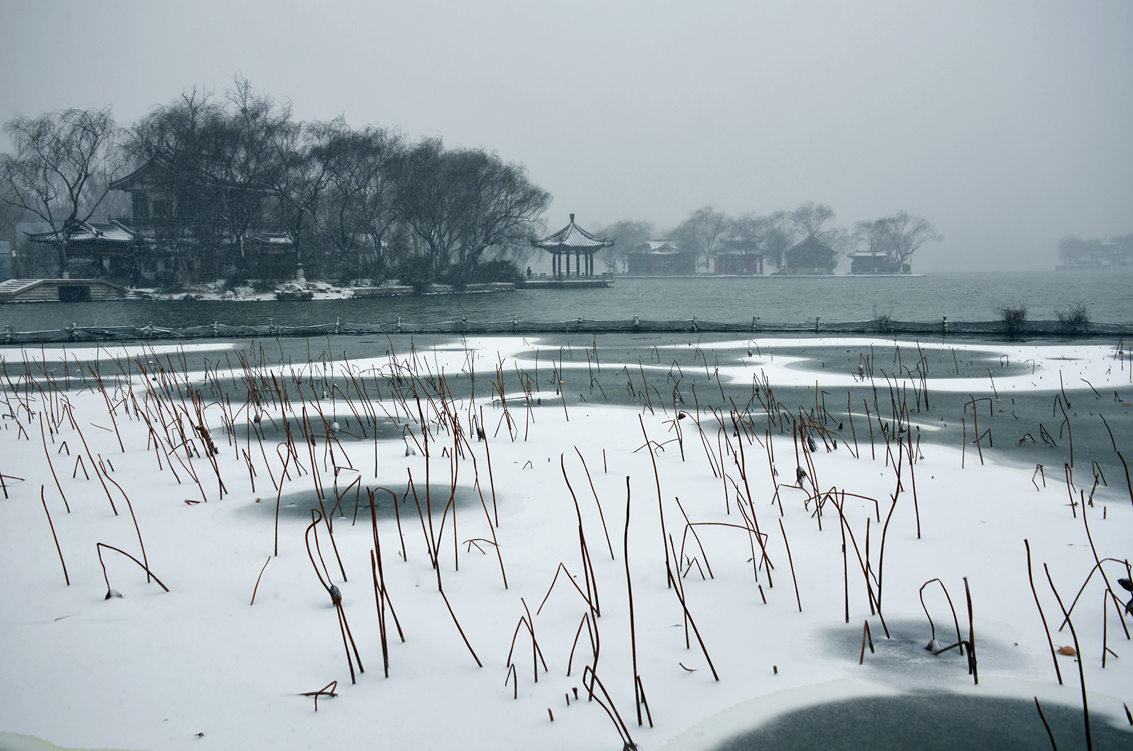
x=1108 y=297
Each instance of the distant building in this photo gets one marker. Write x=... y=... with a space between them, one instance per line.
x=738 y=258
x=867 y=262
x=810 y=256
x=660 y=258
x=162 y=241
x=113 y=248
x=181 y=237
x=1076 y=254
x=5 y=260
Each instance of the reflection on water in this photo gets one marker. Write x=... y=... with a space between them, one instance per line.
x=961 y=297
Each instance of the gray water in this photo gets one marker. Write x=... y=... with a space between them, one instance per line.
x=939 y=721
x=1108 y=298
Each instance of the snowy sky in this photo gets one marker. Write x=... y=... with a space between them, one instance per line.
x=1004 y=123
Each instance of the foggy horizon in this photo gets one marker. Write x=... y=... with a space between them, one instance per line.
x=1005 y=124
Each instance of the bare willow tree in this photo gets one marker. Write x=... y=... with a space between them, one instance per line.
x=359 y=215
x=813 y=220
x=241 y=164
x=169 y=144
x=897 y=236
x=874 y=234
x=55 y=170
x=462 y=204
x=214 y=163
x=299 y=179
x=702 y=232
x=907 y=234
x=427 y=204
x=778 y=236
x=502 y=209
x=627 y=235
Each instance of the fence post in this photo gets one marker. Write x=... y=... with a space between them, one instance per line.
x=817 y=324
x=337 y=324
x=399 y=324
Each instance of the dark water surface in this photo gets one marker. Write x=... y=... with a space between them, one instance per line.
x=943 y=722
x=959 y=296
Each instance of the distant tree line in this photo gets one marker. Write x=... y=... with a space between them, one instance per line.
x=1096 y=252
x=708 y=232
x=225 y=172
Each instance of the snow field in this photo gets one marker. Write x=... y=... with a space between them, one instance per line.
x=153 y=669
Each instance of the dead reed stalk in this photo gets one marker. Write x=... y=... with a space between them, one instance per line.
x=54 y=536
x=1078 y=651
x=638 y=689
x=257 y=587
x=100 y=545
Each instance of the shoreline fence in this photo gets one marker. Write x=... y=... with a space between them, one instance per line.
x=755 y=327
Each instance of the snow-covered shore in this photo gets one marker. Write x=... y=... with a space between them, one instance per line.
x=721 y=562
x=244 y=293
x=308 y=290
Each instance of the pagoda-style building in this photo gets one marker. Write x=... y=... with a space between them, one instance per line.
x=572 y=240
x=810 y=257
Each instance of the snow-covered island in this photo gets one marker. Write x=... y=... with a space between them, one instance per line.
x=507 y=543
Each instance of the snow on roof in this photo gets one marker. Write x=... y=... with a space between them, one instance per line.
x=84 y=232
x=272 y=238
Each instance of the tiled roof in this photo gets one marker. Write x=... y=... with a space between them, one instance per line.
x=81 y=232
x=810 y=245
x=134 y=178
x=572 y=237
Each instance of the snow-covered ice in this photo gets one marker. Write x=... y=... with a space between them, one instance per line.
x=779 y=572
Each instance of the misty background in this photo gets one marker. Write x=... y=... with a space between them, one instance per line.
x=1005 y=124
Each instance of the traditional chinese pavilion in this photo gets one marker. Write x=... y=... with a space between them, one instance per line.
x=572 y=240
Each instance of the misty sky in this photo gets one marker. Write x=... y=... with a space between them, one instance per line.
x=1006 y=124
